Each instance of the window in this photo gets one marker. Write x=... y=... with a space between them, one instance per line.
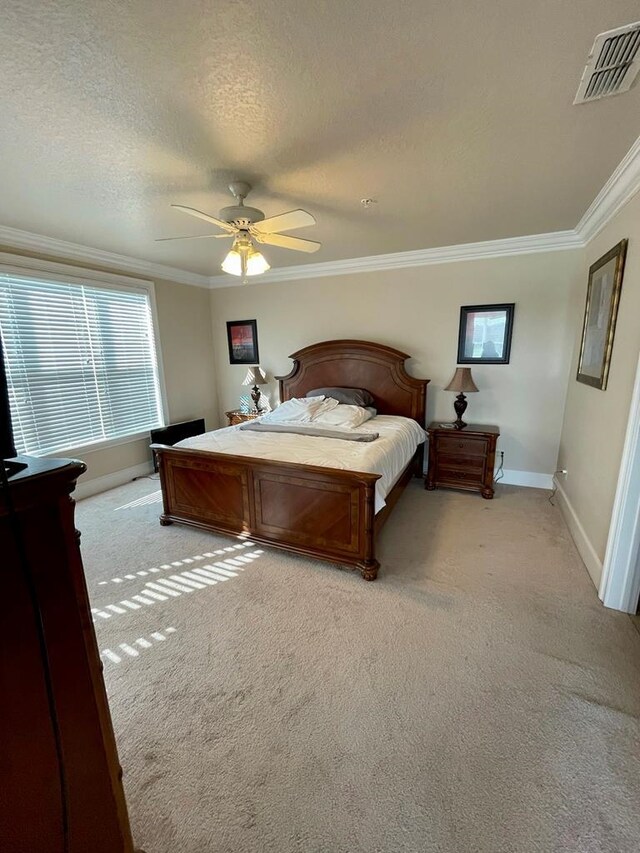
x=81 y=362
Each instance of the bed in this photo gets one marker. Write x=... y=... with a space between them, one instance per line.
x=318 y=511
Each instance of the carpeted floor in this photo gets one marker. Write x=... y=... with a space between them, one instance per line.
x=476 y=699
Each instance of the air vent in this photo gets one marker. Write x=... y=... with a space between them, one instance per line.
x=614 y=62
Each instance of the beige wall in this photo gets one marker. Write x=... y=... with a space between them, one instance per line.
x=417 y=310
x=595 y=421
x=186 y=349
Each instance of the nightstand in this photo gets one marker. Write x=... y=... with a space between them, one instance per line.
x=238 y=417
x=462 y=458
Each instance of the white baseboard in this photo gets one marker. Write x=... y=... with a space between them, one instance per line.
x=527 y=478
x=579 y=536
x=87 y=488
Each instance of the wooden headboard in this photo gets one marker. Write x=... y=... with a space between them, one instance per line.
x=358 y=364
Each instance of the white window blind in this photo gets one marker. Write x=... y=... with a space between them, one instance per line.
x=81 y=362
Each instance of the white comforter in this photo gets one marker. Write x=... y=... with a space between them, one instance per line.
x=388 y=455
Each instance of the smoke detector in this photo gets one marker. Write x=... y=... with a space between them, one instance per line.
x=613 y=64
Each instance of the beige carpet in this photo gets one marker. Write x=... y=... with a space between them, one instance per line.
x=477 y=697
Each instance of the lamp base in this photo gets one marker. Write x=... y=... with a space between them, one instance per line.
x=460 y=405
x=255 y=396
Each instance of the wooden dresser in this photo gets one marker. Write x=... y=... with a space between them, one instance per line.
x=61 y=777
x=462 y=458
x=239 y=417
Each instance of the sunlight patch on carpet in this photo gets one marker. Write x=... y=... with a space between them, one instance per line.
x=153 y=498
x=185 y=561
x=127 y=651
x=191 y=580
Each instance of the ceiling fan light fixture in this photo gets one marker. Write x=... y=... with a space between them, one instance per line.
x=248 y=224
x=244 y=259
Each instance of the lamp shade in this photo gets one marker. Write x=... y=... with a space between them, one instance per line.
x=462 y=381
x=232 y=264
x=255 y=376
x=256 y=263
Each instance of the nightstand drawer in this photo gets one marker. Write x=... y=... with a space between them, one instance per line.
x=473 y=476
x=458 y=446
x=448 y=460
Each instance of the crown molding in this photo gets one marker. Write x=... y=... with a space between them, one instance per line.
x=623 y=184
x=535 y=243
x=14 y=238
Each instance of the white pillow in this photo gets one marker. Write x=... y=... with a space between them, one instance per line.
x=299 y=411
x=344 y=415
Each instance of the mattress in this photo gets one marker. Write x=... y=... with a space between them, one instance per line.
x=388 y=455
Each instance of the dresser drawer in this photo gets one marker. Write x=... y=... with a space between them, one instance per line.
x=453 y=445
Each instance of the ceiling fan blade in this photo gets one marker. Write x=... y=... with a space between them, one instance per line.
x=285 y=222
x=192 y=237
x=287 y=242
x=193 y=212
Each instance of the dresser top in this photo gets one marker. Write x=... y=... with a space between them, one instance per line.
x=478 y=429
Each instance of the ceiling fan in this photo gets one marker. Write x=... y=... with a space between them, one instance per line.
x=247 y=224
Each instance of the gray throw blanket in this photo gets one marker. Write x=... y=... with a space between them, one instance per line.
x=257 y=426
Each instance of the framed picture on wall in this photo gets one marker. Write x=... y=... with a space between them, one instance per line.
x=484 y=336
x=600 y=313
x=242 y=337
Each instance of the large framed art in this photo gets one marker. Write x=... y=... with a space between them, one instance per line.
x=600 y=314
x=242 y=337
x=484 y=336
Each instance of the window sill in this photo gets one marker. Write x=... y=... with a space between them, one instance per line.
x=100 y=445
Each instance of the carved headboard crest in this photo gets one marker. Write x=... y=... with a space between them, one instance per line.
x=358 y=364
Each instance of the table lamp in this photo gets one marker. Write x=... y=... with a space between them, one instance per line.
x=255 y=376
x=461 y=382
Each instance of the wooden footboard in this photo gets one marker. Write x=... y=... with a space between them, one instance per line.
x=324 y=513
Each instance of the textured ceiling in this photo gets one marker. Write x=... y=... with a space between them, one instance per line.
x=456 y=116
